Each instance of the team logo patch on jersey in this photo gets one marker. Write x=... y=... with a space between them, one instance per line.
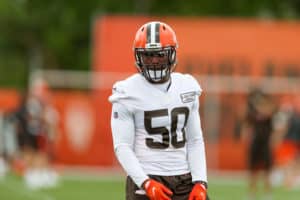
x=188 y=97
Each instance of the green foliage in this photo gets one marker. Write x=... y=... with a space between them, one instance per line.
x=58 y=33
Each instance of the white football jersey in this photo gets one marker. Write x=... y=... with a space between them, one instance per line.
x=160 y=119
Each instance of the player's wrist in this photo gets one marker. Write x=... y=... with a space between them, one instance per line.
x=146 y=183
x=202 y=183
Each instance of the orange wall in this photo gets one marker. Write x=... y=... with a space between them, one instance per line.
x=206 y=46
x=76 y=142
x=9 y=99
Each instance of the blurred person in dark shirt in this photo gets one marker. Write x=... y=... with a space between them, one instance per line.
x=258 y=126
x=293 y=137
x=36 y=124
x=30 y=125
x=288 y=151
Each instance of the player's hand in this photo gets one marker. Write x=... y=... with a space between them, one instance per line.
x=156 y=190
x=198 y=192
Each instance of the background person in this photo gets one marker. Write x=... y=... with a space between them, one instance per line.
x=258 y=125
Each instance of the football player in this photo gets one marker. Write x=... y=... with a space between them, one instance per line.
x=288 y=151
x=155 y=123
x=259 y=126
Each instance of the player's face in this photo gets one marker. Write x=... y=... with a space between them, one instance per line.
x=156 y=64
x=154 y=58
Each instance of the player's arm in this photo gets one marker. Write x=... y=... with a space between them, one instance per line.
x=195 y=146
x=122 y=124
x=196 y=154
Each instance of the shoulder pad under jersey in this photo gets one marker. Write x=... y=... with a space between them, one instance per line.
x=123 y=90
x=189 y=82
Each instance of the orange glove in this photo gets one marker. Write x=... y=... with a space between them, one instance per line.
x=198 y=192
x=156 y=190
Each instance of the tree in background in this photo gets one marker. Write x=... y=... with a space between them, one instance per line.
x=56 y=34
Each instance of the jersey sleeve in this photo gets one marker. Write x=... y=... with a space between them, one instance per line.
x=119 y=92
x=123 y=132
x=195 y=142
x=196 y=89
x=194 y=84
x=124 y=93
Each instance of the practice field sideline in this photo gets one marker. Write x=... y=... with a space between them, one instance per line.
x=112 y=188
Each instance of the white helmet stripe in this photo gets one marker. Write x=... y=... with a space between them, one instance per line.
x=152 y=40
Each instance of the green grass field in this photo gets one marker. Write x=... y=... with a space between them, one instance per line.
x=101 y=188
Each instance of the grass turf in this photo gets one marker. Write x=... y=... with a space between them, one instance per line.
x=99 y=188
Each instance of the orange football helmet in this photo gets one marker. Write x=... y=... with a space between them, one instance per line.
x=154 y=48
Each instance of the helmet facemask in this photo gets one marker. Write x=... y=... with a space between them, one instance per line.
x=156 y=64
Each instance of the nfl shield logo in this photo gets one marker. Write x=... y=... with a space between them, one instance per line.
x=116 y=115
